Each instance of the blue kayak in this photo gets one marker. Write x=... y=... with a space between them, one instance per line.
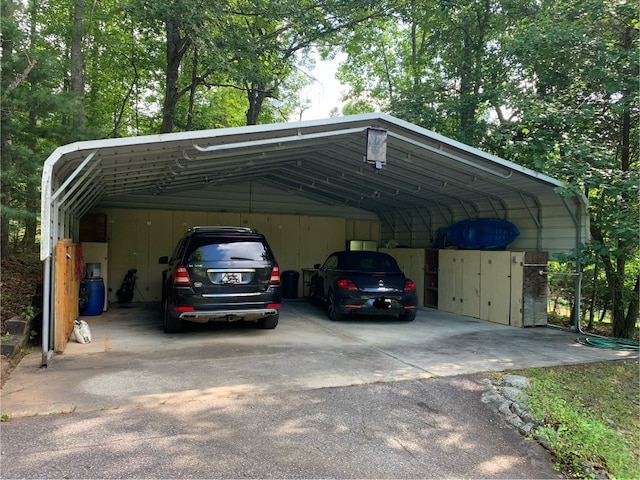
x=481 y=234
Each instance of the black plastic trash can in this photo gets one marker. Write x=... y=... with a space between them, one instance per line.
x=289 y=280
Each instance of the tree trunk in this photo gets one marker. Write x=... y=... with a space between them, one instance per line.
x=624 y=325
x=76 y=67
x=6 y=154
x=617 y=308
x=176 y=49
x=256 y=98
x=592 y=302
x=192 y=90
x=634 y=309
x=467 y=109
x=32 y=195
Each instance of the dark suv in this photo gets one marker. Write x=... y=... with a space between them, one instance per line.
x=223 y=274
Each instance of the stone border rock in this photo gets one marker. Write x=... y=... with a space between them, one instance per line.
x=510 y=400
x=12 y=350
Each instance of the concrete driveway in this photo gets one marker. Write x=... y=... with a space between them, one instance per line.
x=132 y=362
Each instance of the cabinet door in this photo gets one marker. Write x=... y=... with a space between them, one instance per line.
x=468 y=285
x=448 y=270
x=517 y=277
x=495 y=291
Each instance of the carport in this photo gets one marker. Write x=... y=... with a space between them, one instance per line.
x=370 y=167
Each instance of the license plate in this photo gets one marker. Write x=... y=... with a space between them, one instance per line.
x=234 y=278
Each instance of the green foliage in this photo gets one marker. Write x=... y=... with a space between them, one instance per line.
x=33 y=111
x=28 y=312
x=576 y=118
x=590 y=415
x=436 y=64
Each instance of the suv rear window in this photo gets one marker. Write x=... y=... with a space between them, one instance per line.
x=203 y=251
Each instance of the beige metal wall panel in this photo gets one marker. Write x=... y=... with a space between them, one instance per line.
x=122 y=228
x=222 y=218
x=141 y=254
x=516 y=307
x=183 y=221
x=470 y=283
x=285 y=242
x=158 y=242
x=258 y=221
x=311 y=249
x=335 y=239
x=363 y=230
x=231 y=219
x=449 y=269
x=495 y=286
x=411 y=261
x=319 y=237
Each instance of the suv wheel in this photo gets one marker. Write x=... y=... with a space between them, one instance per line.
x=171 y=324
x=408 y=316
x=269 y=322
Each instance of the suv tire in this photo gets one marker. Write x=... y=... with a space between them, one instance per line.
x=409 y=316
x=171 y=324
x=269 y=322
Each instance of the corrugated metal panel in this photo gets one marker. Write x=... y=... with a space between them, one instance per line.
x=315 y=167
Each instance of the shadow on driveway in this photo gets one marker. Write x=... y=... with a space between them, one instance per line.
x=132 y=362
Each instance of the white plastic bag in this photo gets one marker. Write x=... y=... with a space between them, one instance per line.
x=82 y=331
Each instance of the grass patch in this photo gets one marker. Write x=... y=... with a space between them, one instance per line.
x=590 y=413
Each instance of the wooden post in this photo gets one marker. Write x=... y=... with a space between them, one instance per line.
x=67 y=288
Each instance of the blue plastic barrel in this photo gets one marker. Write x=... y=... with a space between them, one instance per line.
x=95 y=305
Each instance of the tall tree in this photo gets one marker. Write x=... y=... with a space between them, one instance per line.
x=10 y=39
x=77 y=63
x=249 y=46
x=436 y=64
x=578 y=114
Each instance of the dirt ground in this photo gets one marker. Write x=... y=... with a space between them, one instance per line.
x=20 y=275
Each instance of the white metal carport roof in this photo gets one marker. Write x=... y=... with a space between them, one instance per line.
x=428 y=182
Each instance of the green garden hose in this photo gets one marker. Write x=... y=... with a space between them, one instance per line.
x=613 y=343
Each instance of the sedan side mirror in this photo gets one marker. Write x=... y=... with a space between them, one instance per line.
x=163 y=260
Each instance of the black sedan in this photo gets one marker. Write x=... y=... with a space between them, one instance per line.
x=363 y=282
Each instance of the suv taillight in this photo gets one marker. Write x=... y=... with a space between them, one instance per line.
x=275 y=275
x=181 y=276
